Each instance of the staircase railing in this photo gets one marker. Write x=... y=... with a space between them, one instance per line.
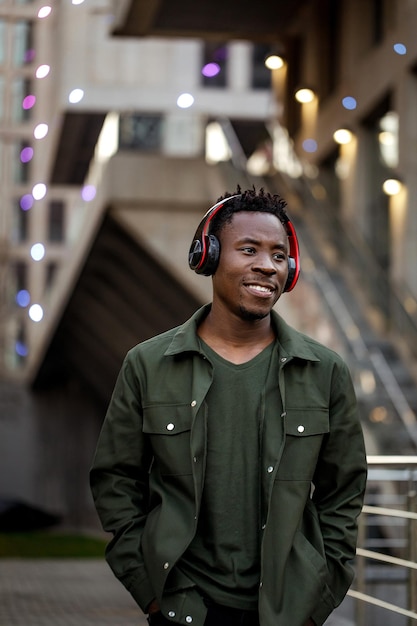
x=391 y=507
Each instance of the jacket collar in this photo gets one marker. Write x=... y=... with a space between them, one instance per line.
x=292 y=343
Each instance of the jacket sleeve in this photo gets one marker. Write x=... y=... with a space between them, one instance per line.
x=119 y=484
x=339 y=485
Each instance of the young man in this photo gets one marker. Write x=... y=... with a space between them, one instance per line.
x=231 y=466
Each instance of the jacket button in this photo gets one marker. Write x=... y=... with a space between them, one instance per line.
x=283 y=359
x=301 y=428
x=166 y=565
x=171 y=613
x=188 y=619
x=170 y=426
x=193 y=403
x=270 y=469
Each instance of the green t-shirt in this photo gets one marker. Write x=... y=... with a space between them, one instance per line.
x=223 y=559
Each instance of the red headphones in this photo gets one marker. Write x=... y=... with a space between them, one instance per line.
x=204 y=252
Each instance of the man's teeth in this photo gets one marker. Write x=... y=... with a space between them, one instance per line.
x=260 y=288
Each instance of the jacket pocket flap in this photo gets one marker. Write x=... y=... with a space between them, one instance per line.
x=307 y=422
x=167 y=419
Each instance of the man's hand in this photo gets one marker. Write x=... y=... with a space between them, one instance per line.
x=153 y=607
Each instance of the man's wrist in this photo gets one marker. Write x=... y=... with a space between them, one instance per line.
x=153 y=607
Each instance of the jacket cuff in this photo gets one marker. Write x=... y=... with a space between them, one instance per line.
x=324 y=608
x=140 y=589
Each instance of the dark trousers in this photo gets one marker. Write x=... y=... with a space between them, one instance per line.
x=216 y=616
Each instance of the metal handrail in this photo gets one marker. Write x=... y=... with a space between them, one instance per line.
x=389 y=464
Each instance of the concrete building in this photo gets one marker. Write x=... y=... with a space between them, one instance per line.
x=120 y=124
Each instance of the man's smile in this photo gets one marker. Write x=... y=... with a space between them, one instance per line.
x=260 y=290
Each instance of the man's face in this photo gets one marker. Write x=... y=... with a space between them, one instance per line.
x=253 y=265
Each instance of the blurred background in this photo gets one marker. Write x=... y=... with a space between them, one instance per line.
x=121 y=123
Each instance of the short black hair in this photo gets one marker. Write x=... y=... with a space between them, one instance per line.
x=249 y=200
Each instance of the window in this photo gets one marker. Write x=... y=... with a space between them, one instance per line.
x=20 y=162
x=51 y=270
x=143 y=132
x=56 y=221
x=2 y=41
x=20 y=89
x=23 y=48
x=20 y=223
x=2 y=96
x=261 y=75
x=214 y=66
x=20 y=274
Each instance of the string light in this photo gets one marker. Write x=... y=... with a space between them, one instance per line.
x=41 y=130
x=39 y=191
x=342 y=136
x=304 y=95
x=76 y=95
x=392 y=187
x=44 y=11
x=36 y=313
x=274 y=62
x=185 y=101
x=43 y=71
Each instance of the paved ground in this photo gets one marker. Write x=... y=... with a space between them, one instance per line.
x=64 y=593
x=45 y=592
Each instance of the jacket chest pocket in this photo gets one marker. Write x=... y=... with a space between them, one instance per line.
x=305 y=429
x=168 y=427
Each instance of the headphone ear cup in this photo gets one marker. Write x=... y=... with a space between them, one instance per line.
x=292 y=269
x=211 y=260
x=195 y=253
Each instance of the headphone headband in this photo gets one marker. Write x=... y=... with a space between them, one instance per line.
x=204 y=252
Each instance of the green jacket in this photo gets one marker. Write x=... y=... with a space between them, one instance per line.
x=148 y=475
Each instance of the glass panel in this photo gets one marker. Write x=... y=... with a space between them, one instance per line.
x=23 y=49
x=2 y=96
x=19 y=233
x=261 y=75
x=214 y=67
x=2 y=40
x=20 y=89
x=56 y=221
x=140 y=132
x=22 y=154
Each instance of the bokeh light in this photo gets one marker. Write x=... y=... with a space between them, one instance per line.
x=400 y=48
x=310 y=145
x=42 y=71
x=26 y=154
x=88 y=193
x=37 y=251
x=44 y=12
x=41 y=130
x=29 y=102
x=76 y=95
x=30 y=55
x=21 y=348
x=274 y=62
x=26 y=202
x=23 y=298
x=210 y=70
x=39 y=191
x=349 y=103
x=342 y=136
x=185 y=100
x=36 y=312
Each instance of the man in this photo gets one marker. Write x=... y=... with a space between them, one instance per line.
x=231 y=466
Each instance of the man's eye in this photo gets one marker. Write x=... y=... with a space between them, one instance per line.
x=248 y=249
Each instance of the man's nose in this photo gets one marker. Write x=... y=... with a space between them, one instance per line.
x=264 y=263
